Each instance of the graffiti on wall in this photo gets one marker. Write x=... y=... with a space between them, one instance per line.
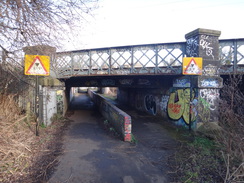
x=209 y=98
x=192 y=47
x=144 y=82
x=209 y=82
x=208 y=104
x=127 y=128
x=210 y=70
x=181 y=83
x=150 y=104
x=206 y=45
x=163 y=103
x=108 y=82
x=126 y=81
x=91 y=83
x=179 y=105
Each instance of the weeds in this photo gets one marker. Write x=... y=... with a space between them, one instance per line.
x=197 y=160
x=231 y=136
x=220 y=159
x=133 y=139
x=110 y=129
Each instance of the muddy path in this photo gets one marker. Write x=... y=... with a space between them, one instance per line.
x=91 y=155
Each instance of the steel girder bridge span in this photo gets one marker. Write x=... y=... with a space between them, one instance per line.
x=150 y=59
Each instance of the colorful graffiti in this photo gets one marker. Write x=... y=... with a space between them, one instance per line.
x=179 y=105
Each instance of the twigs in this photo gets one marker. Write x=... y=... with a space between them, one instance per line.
x=232 y=127
x=237 y=175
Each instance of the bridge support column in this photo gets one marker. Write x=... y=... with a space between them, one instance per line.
x=49 y=99
x=205 y=43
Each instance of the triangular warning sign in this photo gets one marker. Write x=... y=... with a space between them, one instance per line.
x=192 y=67
x=37 y=67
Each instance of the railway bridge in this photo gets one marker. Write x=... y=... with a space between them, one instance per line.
x=149 y=77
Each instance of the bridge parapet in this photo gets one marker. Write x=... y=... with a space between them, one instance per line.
x=231 y=56
x=128 y=60
x=149 y=59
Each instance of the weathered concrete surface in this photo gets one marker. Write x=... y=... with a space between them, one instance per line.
x=92 y=156
x=118 y=118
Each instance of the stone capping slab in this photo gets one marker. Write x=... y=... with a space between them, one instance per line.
x=201 y=31
x=39 y=50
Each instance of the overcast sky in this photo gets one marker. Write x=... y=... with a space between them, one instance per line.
x=130 y=22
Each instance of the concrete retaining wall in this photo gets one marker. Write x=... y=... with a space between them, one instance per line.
x=119 y=119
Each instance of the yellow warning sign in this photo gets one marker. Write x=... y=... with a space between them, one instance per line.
x=192 y=66
x=37 y=65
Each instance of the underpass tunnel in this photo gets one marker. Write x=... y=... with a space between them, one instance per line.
x=174 y=98
x=129 y=95
x=164 y=99
x=163 y=96
x=143 y=93
x=77 y=102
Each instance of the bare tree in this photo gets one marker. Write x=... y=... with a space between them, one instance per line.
x=36 y=22
x=231 y=121
x=31 y=22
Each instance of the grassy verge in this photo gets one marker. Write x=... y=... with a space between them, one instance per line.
x=198 y=159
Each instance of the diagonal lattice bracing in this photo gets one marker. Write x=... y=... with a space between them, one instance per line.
x=240 y=53
x=144 y=59
x=81 y=63
x=99 y=62
x=140 y=59
x=120 y=60
x=226 y=53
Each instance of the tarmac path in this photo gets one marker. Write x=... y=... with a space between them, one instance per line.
x=91 y=155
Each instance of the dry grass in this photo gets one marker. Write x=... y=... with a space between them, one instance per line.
x=15 y=140
x=23 y=154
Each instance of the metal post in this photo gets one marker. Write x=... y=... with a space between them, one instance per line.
x=190 y=77
x=37 y=105
x=90 y=63
x=235 y=56
x=132 y=60
x=109 y=61
x=72 y=63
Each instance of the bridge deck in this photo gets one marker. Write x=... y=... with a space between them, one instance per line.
x=152 y=59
